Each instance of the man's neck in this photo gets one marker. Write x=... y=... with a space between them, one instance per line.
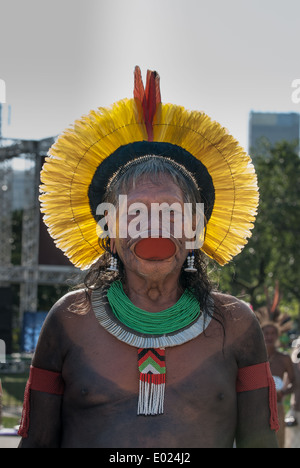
x=271 y=351
x=153 y=296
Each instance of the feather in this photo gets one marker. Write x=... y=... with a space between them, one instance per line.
x=271 y=315
x=149 y=97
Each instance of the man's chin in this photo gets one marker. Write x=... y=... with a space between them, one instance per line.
x=154 y=268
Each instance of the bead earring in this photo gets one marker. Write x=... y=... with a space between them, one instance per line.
x=191 y=263
x=113 y=263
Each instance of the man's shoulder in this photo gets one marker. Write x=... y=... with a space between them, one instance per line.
x=74 y=302
x=71 y=305
x=242 y=329
x=54 y=340
x=233 y=308
x=284 y=356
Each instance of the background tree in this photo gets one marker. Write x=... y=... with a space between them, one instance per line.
x=273 y=252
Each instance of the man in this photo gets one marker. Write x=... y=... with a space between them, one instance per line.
x=281 y=367
x=293 y=417
x=274 y=324
x=147 y=355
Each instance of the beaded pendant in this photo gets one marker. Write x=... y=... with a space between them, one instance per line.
x=152 y=368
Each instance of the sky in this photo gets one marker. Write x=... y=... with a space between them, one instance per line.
x=61 y=58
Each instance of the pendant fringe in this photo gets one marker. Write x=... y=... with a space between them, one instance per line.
x=151 y=394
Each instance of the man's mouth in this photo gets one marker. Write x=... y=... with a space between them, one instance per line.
x=155 y=248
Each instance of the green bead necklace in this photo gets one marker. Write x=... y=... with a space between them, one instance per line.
x=170 y=320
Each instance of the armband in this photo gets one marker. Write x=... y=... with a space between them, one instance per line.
x=40 y=380
x=256 y=377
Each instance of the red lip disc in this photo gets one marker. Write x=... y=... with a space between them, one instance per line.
x=155 y=248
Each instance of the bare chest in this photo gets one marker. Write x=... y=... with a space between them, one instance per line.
x=102 y=385
x=104 y=371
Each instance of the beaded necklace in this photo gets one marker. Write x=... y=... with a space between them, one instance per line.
x=180 y=315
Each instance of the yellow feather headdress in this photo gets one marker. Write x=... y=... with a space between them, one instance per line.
x=97 y=143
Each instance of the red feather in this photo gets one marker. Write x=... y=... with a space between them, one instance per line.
x=149 y=98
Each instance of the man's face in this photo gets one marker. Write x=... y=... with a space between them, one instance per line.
x=271 y=335
x=159 y=255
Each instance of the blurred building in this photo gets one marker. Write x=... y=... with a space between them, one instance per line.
x=29 y=258
x=273 y=128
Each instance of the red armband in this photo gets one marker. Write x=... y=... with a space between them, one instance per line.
x=256 y=377
x=40 y=380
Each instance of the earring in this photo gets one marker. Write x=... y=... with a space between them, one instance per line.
x=191 y=263
x=113 y=263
